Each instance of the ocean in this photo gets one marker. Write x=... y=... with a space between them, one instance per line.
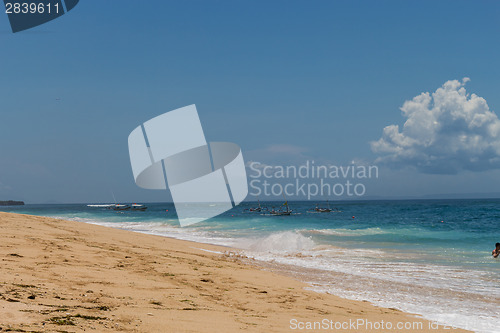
x=428 y=257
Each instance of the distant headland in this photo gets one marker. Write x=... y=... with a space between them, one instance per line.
x=11 y=203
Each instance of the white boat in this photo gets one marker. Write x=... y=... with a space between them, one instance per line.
x=138 y=207
x=120 y=207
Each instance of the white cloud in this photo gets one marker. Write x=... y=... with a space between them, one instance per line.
x=445 y=132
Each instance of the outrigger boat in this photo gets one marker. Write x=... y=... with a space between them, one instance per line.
x=280 y=212
x=138 y=207
x=120 y=207
x=256 y=209
x=319 y=209
x=323 y=210
x=108 y=206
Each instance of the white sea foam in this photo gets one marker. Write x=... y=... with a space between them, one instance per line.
x=281 y=242
x=425 y=289
x=477 y=316
x=162 y=229
x=346 y=232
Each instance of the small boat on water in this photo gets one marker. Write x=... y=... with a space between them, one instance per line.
x=280 y=212
x=109 y=206
x=120 y=207
x=257 y=209
x=135 y=207
x=138 y=207
x=117 y=206
x=319 y=209
x=322 y=209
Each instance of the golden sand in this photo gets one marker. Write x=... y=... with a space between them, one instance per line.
x=64 y=276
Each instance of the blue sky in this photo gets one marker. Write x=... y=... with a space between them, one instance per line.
x=286 y=80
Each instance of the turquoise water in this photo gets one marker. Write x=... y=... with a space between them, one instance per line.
x=430 y=257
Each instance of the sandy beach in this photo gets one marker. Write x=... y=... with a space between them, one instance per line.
x=65 y=276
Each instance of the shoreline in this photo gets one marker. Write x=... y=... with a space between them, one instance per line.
x=60 y=275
